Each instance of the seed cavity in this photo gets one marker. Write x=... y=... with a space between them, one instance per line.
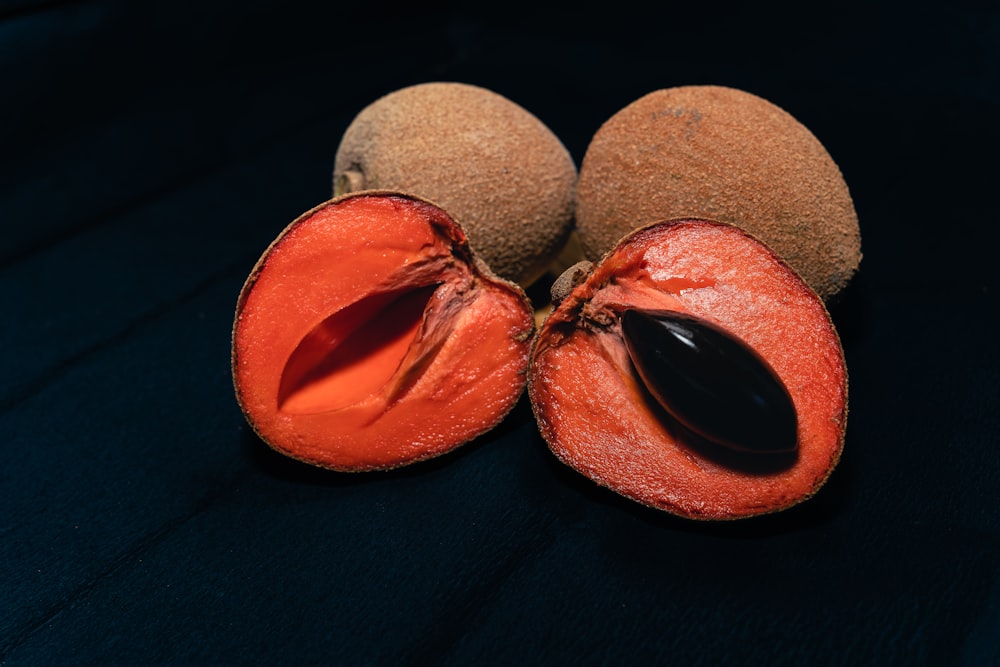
x=353 y=353
x=710 y=381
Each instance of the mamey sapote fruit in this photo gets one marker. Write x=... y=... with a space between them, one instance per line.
x=692 y=370
x=490 y=163
x=723 y=154
x=368 y=336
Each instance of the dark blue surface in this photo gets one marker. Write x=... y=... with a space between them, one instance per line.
x=150 y=151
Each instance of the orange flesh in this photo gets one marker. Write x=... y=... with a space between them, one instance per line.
x=597 y=417
x=366 y=338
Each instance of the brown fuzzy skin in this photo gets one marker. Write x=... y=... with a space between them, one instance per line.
x=495 y=167
x=724 y=154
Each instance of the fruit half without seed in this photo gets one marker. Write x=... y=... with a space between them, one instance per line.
x=617 y=396
x=368 y=336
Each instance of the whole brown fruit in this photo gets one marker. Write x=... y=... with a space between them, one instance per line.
x=723 y=154
x=502 y=173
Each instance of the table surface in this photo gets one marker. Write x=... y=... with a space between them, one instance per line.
x=149 y=154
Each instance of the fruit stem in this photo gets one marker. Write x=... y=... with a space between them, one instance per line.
x=569 y=280
x=351 y=180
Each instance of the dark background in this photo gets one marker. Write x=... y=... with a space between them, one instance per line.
x=149 y=151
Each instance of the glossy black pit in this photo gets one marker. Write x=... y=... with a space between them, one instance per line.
x=710 y=381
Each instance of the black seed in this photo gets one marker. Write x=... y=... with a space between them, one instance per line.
x=710 y=381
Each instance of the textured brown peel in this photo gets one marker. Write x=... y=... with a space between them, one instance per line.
x=724 y=154
x=493 y=165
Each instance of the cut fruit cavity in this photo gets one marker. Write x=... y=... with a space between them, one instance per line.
x=353 y=353
x=368 y=336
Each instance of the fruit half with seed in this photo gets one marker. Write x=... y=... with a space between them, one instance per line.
x=368 y=336
x=692 y=370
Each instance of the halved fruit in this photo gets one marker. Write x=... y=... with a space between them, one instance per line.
x=368 y=336
x=723 y=396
